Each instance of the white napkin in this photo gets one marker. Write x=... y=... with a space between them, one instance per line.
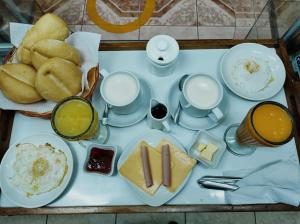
x=275 y=182
x=86 y=43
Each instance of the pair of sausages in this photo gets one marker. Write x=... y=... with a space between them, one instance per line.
x=166 y=166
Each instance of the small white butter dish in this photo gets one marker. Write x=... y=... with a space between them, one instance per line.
x=205 y=138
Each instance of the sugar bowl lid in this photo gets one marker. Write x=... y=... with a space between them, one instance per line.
x=162 y=49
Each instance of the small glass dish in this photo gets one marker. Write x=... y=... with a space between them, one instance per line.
x=101 y=159
x=205 y=138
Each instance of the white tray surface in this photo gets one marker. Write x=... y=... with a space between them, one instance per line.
x=90 y=189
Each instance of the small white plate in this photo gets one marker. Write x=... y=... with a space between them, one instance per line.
x=6 y=172
x=102 y=147
x=120 y=120
x=152 y=137
x=259 y=52
x=189 y=122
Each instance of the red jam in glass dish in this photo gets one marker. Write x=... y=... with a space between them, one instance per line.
x=100 y=160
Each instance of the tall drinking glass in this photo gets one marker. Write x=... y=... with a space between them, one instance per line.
x=268 y=124
x=75 y=118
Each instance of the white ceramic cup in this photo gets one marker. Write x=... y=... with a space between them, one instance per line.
x=121 y=90
x=158 y=116
x=201 y=96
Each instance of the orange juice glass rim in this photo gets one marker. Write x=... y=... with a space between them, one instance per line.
x=61 y=103
x=288 y=113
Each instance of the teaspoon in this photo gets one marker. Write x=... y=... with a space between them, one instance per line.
x=178 y=110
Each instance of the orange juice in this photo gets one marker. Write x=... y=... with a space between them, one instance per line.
x=272 y=123
x=75 y=118
x=267 y=124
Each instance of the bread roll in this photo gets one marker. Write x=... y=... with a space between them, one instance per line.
x=48 y=26
x=17 y=82
x=50 y=48
x=58 y=79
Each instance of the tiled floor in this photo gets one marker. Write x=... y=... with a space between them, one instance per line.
x=161 y=218
x=183 y=19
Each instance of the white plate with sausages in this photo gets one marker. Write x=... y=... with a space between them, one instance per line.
x=162 y=195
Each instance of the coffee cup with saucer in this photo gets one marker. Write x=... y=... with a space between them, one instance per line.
x=158 y=116
x=121 y=91
x=201 y=96
x=116 y=119
x=186 y=120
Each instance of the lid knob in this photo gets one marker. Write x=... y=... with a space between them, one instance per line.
x=162 y=45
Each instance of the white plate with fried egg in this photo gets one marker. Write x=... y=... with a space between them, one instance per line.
x=252 y=71
x=36 y=170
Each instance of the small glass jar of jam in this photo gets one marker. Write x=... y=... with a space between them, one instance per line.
x=101 y=159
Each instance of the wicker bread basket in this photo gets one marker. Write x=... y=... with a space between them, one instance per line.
x=92 y=77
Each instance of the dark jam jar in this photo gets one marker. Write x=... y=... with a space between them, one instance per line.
x=100 y=160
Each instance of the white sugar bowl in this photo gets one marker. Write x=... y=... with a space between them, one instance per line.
x=162 y=52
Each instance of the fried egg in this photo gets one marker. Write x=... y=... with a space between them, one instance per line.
x=251 y=74
x=38 y=169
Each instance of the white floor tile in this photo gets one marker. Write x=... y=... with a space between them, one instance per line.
x=150 y=218
x=23 y=219
x=82 y=219
x=220 y=218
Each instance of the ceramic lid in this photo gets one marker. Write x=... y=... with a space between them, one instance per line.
x=162 y=49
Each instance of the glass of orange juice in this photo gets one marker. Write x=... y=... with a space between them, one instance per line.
x=75 y=118
x=268 y=124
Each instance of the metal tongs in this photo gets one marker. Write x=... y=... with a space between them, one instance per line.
x=219 y=182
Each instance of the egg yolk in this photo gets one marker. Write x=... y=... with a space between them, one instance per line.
x=39 y=167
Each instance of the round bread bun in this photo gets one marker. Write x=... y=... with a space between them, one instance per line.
x=58 y=79
x=50 y=48
x=17 y=82
x=48 y=26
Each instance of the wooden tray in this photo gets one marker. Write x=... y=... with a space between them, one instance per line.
x=291 y=86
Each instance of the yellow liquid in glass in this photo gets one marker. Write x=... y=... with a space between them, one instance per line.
x=74 y=117
x=272 y=123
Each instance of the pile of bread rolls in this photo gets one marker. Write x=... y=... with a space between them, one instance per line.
x=49 y=68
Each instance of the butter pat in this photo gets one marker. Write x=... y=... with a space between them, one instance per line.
x=211 y=147
x=208 y=152
x=201 y=147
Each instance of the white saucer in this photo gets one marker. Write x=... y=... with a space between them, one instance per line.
x=120 y=120
x=187 y=121
x=247 y=51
